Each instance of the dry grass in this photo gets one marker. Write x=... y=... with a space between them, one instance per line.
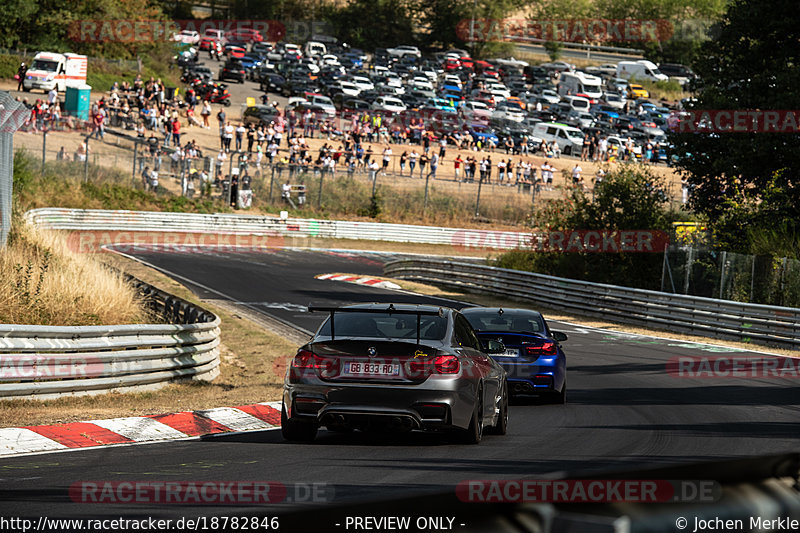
x=42 y=281
x=251 y=371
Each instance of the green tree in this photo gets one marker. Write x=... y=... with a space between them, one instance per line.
x=449 y=23
x=741 y=179
x=370 y=24
x=630 y=198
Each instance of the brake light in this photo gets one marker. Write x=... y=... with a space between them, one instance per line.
x=548 y=348
x=441 y=364
x=446 y=364
x=307 y=361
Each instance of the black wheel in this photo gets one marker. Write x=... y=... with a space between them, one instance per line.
x=227 y=103
x=501 y=426
x=560 y=397
x=474 y=433
x=296 y=431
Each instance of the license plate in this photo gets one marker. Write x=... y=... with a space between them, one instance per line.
x=511 y=352
x=353 y=368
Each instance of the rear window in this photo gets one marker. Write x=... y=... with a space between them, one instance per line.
x=509 y=321
x=384 y=326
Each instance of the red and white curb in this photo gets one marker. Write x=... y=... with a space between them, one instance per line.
x=137 y=429
x=372 y=282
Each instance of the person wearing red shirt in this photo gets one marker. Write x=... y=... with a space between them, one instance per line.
x=176 y=132
x=457 y=166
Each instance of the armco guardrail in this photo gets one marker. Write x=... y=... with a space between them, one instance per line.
x=763 y=324
x=228 y=224
x=50 y=361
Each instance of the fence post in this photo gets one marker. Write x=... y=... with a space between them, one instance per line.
x=783 y=280
x=44 y=148
x=478 y=199
x=722 y=273
x=689 y=261
x=752 y=277
x=135 y=152
x=425 y=202
x=86 y=161
x=271 y=180
x=321 y=179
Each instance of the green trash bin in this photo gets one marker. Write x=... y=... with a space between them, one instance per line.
x=76 y=102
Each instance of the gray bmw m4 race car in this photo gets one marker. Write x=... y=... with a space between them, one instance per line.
x=396 y=367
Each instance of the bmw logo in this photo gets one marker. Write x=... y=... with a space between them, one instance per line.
x=372 y=351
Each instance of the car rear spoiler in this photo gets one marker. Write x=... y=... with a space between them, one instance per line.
x=390 y=309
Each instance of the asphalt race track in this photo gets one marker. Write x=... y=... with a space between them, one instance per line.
x=624 y=411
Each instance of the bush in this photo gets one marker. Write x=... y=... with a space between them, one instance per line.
x=630 y=198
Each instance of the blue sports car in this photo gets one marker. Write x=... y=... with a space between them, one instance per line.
x=533 y=359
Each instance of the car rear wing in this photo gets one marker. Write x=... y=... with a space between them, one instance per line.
x=390 y=310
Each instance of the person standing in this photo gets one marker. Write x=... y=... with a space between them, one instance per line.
x=240 y=131
x=206 y=113
x=21 y=71
x=387 y=157
x=228 y=136
x=176 y=131
x=434 y=164
x=457 y=162
x=576 y=174
x=423 y=162
x=403 y=160
x=412 y=162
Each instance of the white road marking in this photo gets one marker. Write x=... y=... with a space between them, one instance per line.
x=21 y=440
x=235 y=419
x=140 y=429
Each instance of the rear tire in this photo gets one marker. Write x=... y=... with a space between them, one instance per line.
x=294 y=430
x=560 y=397
x=501 y=427
x=474 y=433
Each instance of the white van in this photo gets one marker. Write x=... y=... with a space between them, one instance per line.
x=640 y=70
x=315 y=49
x=577 y=103
x=50 y=70
x=571 y=83
x=569 y=139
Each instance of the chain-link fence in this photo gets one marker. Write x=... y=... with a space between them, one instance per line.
x=699 y=271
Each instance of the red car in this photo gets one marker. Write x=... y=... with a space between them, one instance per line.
x=206 y=43
x=245 y=36
x=452 y=64
x=235 y=52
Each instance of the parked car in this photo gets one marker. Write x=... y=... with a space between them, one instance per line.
x=232 y=70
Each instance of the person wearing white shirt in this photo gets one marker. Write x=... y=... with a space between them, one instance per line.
x=387 y=156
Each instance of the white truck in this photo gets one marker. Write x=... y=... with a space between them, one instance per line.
x=572 y=83
x=639 y=70
x=50 y=70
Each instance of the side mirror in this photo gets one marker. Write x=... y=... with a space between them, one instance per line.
x=493 y=347
x=559 y=336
